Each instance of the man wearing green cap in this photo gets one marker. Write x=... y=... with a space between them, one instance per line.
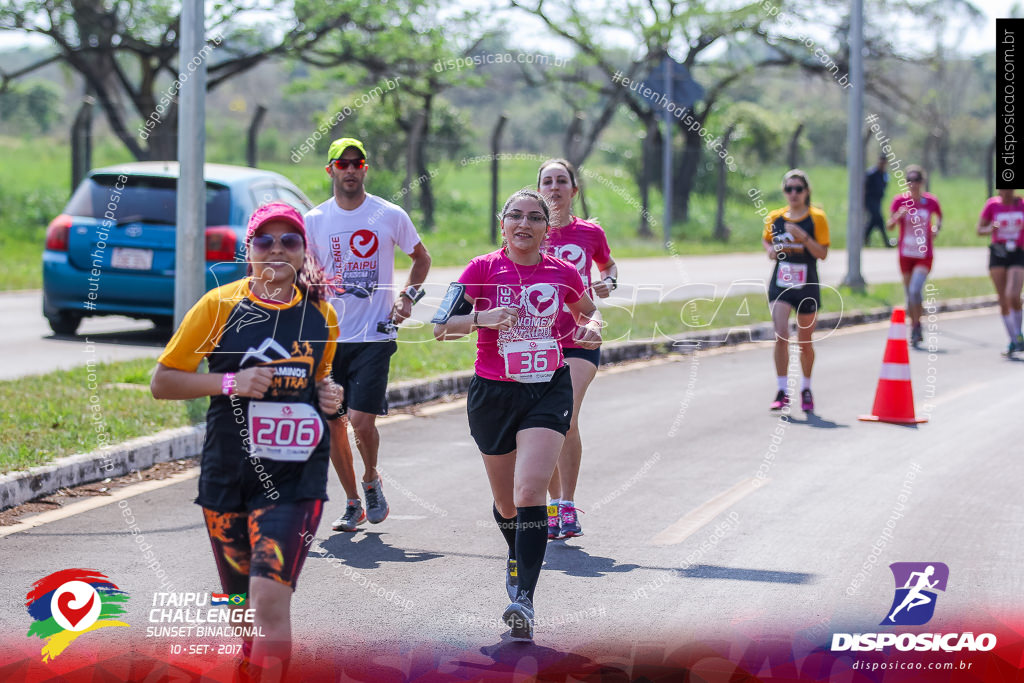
x=353 y=236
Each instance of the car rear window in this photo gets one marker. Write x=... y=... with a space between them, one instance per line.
x=144 y=199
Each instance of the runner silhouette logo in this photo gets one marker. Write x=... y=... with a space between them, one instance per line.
x=916 y=586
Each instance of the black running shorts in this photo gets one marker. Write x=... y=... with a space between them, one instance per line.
x=592 y=355
x=999 y=257
x=361 y=369
x=498 y=410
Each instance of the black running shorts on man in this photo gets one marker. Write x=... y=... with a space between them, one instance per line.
x=498 y=409
x=361 y=369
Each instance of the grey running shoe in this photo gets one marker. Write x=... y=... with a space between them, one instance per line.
x=353 y=517
x=512 y=579
x=518 y=617
x=376 y=507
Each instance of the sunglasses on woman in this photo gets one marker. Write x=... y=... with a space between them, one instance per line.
x=291 y=241
x=344 y=164
x=789 y=189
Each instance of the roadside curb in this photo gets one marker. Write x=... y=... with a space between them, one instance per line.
x=184 y=442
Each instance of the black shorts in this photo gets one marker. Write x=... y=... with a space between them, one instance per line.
x=498 y=409
x=803 y=299
x=999 y=257
x=593 y=355
x=361 y=369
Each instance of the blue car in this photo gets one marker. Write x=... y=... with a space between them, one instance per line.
x=111 y=252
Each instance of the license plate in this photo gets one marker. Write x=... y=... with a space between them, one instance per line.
x=131 y=259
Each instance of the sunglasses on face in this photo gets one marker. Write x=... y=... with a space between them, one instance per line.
x=344 y=164
x=914 y=179
x=788 y=189
x=291 y=241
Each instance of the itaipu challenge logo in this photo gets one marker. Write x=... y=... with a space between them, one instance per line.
x=70 y=603
x=916 y=583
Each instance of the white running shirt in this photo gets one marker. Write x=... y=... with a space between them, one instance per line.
x=356 y=249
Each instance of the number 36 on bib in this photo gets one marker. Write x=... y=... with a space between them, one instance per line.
x=284 y=431
x=532 y=360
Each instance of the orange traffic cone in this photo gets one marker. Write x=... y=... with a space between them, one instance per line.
x=894 y=399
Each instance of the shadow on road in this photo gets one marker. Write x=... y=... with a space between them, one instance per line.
x=508 y=656
x=575 y=561
x=367 y=550
x=813 y=420
x=708 y=571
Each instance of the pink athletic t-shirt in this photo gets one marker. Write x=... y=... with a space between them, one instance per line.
x=916 y=226
x=1007 y=221
x=581 y=243
x=536 y=292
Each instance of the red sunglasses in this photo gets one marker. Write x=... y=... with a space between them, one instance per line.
x=343 y=164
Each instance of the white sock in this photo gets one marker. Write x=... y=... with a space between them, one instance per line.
x=806 y=384
x=353 y=501
x=1016 y=315
x=555 y=502
x=1008 y=324
x=782 y=382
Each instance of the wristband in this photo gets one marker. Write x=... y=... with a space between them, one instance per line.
x=227 y=384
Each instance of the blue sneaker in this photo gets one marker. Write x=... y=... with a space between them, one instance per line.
x=570 y=523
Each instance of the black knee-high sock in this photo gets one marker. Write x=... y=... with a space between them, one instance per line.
x=508 y=530
x=531 y=542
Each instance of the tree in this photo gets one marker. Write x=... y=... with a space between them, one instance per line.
x=419 y=50
x=686 y=30
x=127 y=52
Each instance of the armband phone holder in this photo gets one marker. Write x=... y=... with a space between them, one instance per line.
x=453 y=303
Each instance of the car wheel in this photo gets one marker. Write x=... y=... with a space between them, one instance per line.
x=64 y=322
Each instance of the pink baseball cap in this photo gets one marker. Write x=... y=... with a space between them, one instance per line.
x=275 y=211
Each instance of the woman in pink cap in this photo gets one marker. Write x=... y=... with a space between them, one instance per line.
x=269 y=340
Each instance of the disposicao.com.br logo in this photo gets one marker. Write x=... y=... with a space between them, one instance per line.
x=70 y=603
x=913 y=604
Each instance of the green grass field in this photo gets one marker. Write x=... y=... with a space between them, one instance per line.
x=35 y=185
x=61 y=421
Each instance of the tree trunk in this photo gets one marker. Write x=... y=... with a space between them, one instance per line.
x=422 y=174
x=721 y=230
x=81 y=142
x=794 y=147
x=252 y=146
x=693 y=152
x=163 y=139
x=990 y=171
x=647 y=177
x=495 y=150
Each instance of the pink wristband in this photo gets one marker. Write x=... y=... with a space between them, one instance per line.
x=227 y=384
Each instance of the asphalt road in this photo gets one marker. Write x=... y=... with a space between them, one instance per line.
x=28 y=346
x=680 y=546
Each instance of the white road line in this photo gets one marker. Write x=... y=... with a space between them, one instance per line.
x=703 y=515
x=97 y=502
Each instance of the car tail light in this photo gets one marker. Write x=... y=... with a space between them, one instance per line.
x=220 y=244
x=57 y=233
